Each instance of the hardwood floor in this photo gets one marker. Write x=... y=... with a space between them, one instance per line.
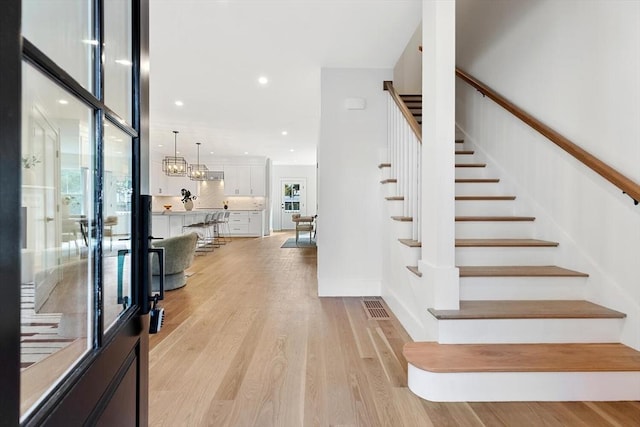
x=249 y=343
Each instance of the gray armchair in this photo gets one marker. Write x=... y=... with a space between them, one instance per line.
x=178 y=256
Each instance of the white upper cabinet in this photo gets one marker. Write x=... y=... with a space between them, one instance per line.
x=244 y=180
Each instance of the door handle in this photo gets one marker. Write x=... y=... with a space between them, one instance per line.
x=49 y=219
x=160 y=252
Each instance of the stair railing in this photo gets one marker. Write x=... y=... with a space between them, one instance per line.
x=629 y=187
x=404 y=146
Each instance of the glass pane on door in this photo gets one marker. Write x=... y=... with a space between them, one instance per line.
x=57 y=245
x=61 y=29
x=118 y=56
x=116 y=271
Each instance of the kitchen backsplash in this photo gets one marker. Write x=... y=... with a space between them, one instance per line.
x=211 y=197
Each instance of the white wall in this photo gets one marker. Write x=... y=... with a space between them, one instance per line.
x=279 y=172
x=407 y=74
x=576 y=67
x=349 y=199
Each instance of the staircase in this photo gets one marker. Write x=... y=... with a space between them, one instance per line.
x=523 y=330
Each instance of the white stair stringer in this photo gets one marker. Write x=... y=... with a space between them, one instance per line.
x=529 y=331
x=523 y=386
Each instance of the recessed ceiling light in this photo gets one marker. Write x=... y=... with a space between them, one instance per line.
x=177 y=152
x=212 y=152
x=179 y=103
x=292 y=150
x=246 y=152
x=106 y=125
x=63 y=101
x=124 y=62
x=284 y=132
x=91 y=42
x=263 y=80
x=119 y=139
x=160 y=145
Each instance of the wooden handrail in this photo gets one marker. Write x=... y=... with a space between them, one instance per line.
x=629 y=187
x=413 y=123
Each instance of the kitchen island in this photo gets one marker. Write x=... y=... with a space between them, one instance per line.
x=246 y=223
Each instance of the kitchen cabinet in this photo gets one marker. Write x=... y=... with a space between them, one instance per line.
x=246 y=223
x=244 y=180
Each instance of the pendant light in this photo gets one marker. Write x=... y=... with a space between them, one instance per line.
x=197 y=171
x=174 y=165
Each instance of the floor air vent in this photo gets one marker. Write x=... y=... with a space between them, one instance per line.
x=375 y=309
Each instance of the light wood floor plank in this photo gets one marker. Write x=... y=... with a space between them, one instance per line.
x=249 y=343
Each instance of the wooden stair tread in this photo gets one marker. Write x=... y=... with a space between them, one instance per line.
x=414 y=270
x=459 y=141
x=476 y=180
x=394 y=198
x=384 y=165
x=526 y=309
x=402 y=218
x=494 y=218
x=488 y=198
x=465 y=152
x=411 y=243
x=518 y=271
x=388 y=181
x=504 y=243
x=471 y=165
x=442 y=358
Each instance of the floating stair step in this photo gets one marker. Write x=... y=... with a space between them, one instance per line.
x=384 y=165
x=389 y=181
x=411 y=243
x=550 y=309
x=494 y=218
x=434 y=357
x=484 y=198
x=471 y=165
x=523 y=372
x=518 y=271
x=465 y=152
x=476 y=180
x=394 y=198
x=460 y=243
x=414 y=270
x=459 y=141
x=402 y=218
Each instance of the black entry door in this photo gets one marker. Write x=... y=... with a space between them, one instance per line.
x=74 y=227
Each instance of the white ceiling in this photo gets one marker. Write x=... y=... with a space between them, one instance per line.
x=209 y=54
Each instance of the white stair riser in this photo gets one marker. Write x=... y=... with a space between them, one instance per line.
x=409 y=255
x=400 y=229
x=506 y=256
x=522 y=288
x=485 y=207
x=390 y=189
x=465 y=158
x=466 y=172
x=524 y=386
x=394 y=207
x=494 y=229
x=529 y=331
x=478 y=189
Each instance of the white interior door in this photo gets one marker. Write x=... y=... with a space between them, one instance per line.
x=293 y=199
x=41 y=168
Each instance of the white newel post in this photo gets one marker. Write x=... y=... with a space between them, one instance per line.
x=438 y=159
